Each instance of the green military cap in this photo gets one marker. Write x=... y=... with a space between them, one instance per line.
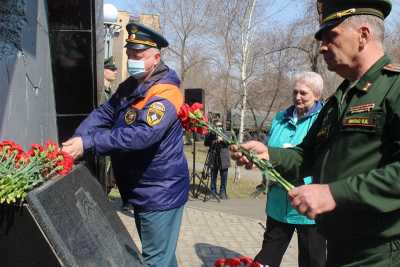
x=333 y=12
x=109 y=64
x=142 y=37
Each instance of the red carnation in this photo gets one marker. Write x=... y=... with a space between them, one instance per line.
x=35 y=150
x=233 y=262
x=219 y=262
x=65 y=161
x=196 y=106
x=193 y=119
x=51 y=146
x=8 y=143
x=246 y=260
x=255 y=264
x=183 y=115
x=23 y=160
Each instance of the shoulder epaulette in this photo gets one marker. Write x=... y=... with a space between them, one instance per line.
x=392 y=67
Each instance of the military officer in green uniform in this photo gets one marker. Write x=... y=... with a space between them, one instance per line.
x=353 y=148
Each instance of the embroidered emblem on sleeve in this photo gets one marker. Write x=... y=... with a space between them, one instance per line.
x=130 y=116
x=155 y=114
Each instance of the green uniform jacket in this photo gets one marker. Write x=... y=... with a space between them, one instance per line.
x=354 y=146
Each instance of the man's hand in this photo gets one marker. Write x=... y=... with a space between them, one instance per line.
x=254 y=146
x=312 y=200
x=74 y=147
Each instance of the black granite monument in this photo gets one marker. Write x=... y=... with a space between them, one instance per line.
x=66 y=222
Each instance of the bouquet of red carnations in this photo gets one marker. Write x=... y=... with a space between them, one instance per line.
x=193 y=120
x=243 y=261
x=21 y=171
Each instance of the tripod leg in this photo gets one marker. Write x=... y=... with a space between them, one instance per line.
x=206 y=182
x=197 y=188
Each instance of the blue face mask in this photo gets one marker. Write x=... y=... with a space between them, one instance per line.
x=136 y=68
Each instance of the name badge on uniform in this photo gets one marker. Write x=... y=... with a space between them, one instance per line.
x=359 y=122
x=362 y=108
x=130 y=116
x=155 y=114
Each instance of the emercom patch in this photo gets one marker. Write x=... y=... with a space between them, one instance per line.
x=155 y=113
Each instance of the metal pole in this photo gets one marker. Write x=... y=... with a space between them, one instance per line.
x=194 y=166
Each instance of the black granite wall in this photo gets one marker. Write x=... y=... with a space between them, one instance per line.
x=74 y=27
x=27 y=108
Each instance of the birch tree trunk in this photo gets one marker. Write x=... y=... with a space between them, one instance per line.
x=246 y=37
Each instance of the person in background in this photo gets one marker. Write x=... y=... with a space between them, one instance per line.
x=105 y=168
x=219 y=161
x=353 y=148
x=287 y=130
x=140 y=129
x=110 y=75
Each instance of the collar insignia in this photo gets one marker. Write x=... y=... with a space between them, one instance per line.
x=366 y=87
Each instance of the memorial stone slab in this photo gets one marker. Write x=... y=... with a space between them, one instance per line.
x=80 y=226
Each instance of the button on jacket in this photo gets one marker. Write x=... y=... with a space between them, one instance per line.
x=354 y=147
x=140 y=129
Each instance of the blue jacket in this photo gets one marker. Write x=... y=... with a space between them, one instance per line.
x=140 y=129
x=285 y=131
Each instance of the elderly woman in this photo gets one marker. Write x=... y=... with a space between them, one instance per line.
x=289 y=127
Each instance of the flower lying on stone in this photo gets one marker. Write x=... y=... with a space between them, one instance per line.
x=243 y=261
x=21 y=171
x=193 y=120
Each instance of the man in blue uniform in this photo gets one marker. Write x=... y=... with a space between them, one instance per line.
x=139 y=128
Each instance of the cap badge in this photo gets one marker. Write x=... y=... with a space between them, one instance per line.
x=134 y=29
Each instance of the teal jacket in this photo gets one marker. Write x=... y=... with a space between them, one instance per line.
x=287 y=132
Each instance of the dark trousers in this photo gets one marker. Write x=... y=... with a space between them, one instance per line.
x=312 y=246
x=224 y=177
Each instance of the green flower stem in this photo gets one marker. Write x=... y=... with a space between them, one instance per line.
x=264 y=165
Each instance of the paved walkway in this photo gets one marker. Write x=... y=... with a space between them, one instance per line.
x=212 y=230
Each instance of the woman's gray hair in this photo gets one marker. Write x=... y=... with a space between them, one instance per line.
x=312 y=79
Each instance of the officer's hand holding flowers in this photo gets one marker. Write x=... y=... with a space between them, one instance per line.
x=257 y=147
x=74 y=147
x=310 y=200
